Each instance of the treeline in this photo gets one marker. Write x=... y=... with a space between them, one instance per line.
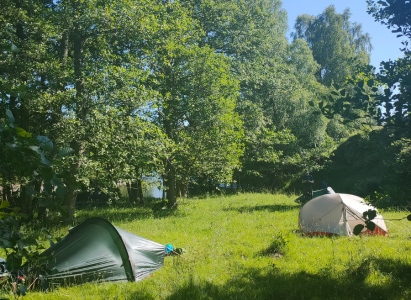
x=375 y=163
x=195 y=92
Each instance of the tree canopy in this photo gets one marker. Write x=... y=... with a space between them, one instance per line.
x=194 y=92
x=336 y=42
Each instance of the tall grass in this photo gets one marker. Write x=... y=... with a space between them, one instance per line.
x=248 y=246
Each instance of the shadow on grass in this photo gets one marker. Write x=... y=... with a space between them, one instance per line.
x=129 y=214
x=273 y=284
x=277 y=249
x=271 y=208
x=114 y=214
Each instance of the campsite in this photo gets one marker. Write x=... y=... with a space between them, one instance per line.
x=249 y=246
x=205 y=149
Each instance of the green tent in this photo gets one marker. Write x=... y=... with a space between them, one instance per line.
x=98 y=251
x=316 y=193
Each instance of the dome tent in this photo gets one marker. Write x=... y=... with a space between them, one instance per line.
x=96 y=250
x=337 y=214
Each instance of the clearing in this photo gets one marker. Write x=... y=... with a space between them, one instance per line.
x=248 y=246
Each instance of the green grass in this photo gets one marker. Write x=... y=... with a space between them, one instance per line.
x=231 y=244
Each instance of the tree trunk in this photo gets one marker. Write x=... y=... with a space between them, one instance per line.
x=64 y=49
x=210 y=187
x=26 y=203
x=135 y=192
x=182 y=189
x=12 y=105
x=171 y=186
x=42 y=211
x=185 y=190
x=130 y=192
x=7 y=192
x=140 y=191
x=118 y=191
x=70 y=200
x=70 y=197
x=81 y=112
x=170 y=174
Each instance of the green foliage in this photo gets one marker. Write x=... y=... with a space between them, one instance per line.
x=23 y=259
x=394 y=76
x=355 y=103
x=362 y=98
x=24 y=160
x=279 y=244
x=305 y=66
x=380 y=199
x=15 y=245
x=394 y=13
x=282 y=133
x=335 y=42
x=356 y=167
x=368 y=216
x=192 y=91
x=25 y=157
x=97 y=70
x=196 y=110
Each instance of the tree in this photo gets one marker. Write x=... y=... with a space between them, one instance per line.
x=335 y=42
x=104 y=56
x=23 y=63
x=395 y=75
x=393 y=13
x=24 y=160
x=252 y=35
x=105 y=68
x=85 y=59
x=390 y=90
x=127 y=149
x=195 y=108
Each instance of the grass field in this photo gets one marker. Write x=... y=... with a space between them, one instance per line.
x=248 y=246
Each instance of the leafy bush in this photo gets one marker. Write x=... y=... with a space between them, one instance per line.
x=379 y=199
x=19 y=249
x=368 y=216
x=24 y=161
x=279 y=244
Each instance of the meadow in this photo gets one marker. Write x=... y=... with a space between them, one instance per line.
x=248 y=246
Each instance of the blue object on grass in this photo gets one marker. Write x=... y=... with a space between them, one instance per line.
x=169 y=248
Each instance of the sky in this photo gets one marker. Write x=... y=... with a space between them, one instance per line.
x=385 y=43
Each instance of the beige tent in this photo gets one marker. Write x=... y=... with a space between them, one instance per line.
x=337 y=214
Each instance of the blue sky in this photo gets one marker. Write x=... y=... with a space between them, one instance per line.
x=385 y=43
